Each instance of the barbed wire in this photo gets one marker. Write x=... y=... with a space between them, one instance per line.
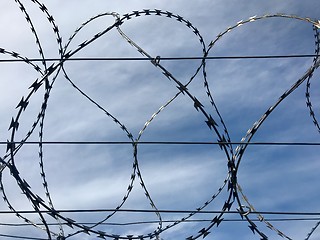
x=212 y=118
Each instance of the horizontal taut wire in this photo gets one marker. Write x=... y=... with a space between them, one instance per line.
x=161 y=58
x=162 y=143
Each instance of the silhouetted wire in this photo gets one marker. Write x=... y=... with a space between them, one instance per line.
x=160 y=58
x=165 y=221
x=162 y=142
x=161 y=211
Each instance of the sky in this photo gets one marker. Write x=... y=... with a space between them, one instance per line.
x=122 y=135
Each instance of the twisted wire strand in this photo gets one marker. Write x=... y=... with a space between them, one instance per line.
x=41 y=116
x=13 y=148
x=48 y=88
x=114 y=119
x=309 y=104
x=183 y=89
x=308 y=85
x=14 y=124
x=156 y=63
x=241 y=148
x=139 y=174
x=24 y=103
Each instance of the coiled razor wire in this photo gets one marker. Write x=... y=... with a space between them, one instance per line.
x=212 y=118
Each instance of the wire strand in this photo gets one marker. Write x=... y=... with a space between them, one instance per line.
x=160 y=58
x=165 y=221
x=161 y=211
x=160 y=142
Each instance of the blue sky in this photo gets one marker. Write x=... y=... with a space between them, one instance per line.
x=109 y=100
